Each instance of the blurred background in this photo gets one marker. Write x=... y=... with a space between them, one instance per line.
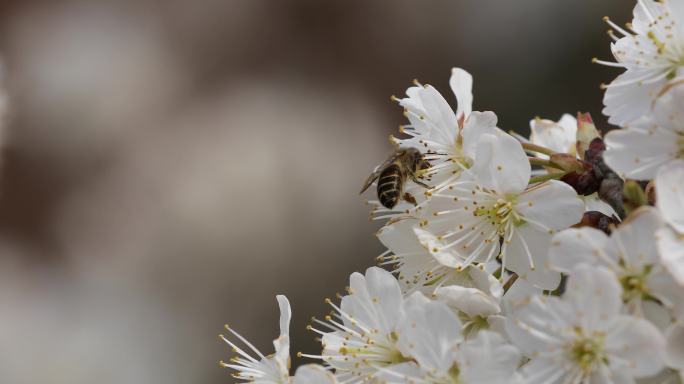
x=169 y=166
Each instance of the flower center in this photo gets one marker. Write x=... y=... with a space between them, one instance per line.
x=634 y=283
x=500 y=213
x=588 y=352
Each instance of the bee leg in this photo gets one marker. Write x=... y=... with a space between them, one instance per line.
x=415 y=180
x=409 y=197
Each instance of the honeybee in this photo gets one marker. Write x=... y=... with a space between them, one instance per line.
x=392 y=174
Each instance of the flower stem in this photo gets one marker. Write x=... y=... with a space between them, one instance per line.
x=550 y=176
x=509 y=282
x=544 y=163
x=529 y=147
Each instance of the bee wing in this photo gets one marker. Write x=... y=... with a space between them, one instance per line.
x=376 y=172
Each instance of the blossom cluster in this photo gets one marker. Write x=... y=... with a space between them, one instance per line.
x=557 y=258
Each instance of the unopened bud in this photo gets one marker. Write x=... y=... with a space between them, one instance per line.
x=633 y=196
x=569 y=163
x=586 y=132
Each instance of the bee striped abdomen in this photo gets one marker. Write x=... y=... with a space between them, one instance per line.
x=390 y=185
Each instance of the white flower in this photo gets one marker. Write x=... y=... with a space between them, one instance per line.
x=494 y=203
x=670 y=202
x=361 y=336
x=629 y=253
x=559 y=136
x=582 y=337
x=651 y=53
x=272 y=369
x=448 y=139
x=638 y=151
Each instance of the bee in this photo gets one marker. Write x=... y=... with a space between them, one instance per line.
x=392 y=174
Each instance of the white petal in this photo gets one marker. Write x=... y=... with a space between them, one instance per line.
x=428 y=333
x=375 y=299
x=445 y=256
x=551 y=205
x=529 y=243
x=398 y=236
x=596 y=293
x=582 y=245
x=470 y=301
x=670 y=194
x=671 y=249
x=477 y=124
x=313 y=374
x=626 y=104
x=488 y=359
x=635 y=237
x=282 y=343
x=461 y=83
x=638 y=343
x=501 y=163
x=675 y=346
x=637 y=154
x=540 y=323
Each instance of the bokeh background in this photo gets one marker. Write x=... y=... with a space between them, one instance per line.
x=169 y=166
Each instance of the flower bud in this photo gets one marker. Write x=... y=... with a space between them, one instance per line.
x=586 y=132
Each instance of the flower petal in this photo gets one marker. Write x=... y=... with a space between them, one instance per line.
x=461 y=83
x=670 y=194
x=313 y=374
x=639 y=345
x=429 y=333
x=501 y=163
x=671 y=249
x=552 y=205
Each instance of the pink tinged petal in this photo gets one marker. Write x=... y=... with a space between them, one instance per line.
x=470 y=301
x=596 y=295
x=429 y=332
x=638 y=345
x=461 y=83
x=671 y=249
x=552 y=205
x=572 y=247
x=313 y=374
x=477 y=124
x=637 y=154
x=675 y=346
x=527 y=255
x=670 y=194
x=488 y=359
x=501 y=164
